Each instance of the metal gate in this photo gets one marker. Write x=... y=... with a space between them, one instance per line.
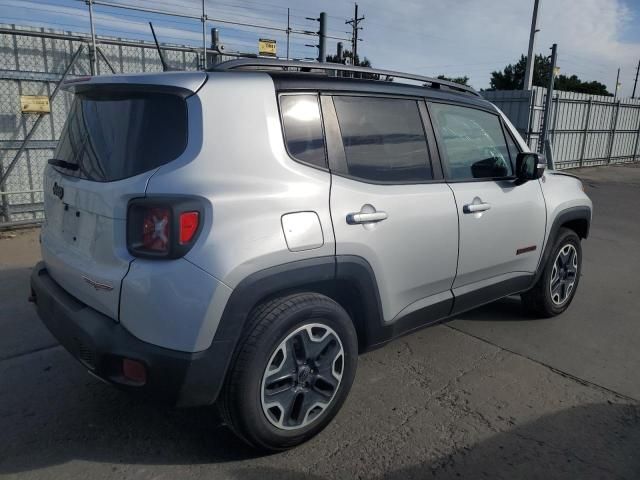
x=585 y=130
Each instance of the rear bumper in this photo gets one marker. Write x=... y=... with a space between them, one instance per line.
x=100 y=344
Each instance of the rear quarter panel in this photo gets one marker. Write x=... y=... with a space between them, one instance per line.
x=249 y=179
x=237 y=162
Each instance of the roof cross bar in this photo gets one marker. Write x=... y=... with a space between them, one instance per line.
x=269 y=62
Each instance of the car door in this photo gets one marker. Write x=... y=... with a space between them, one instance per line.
x=389 y=202
x=502 y=223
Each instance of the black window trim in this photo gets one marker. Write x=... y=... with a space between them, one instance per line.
x=443 y=157
x=322 y=126
x=507 y=133
x=336 y=152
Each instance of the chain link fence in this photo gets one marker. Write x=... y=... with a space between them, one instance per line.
x=34 y=62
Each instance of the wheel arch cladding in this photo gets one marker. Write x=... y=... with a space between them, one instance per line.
x=577 y=219
x=578 y=225
x=348 y=280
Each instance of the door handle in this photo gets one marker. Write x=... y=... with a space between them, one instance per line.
x=366 y=217
x=476 y=207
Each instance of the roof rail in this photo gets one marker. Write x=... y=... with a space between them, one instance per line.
x=269 y=62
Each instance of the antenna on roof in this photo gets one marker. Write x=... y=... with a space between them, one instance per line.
x=165 y=67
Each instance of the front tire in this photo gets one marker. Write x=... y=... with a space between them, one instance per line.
x=558 y=283
x=292 y=371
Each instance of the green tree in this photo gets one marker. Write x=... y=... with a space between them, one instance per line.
x=365 y=62
x=512 y=78
x=461 y=80
x=574 y=84
x=347 y=54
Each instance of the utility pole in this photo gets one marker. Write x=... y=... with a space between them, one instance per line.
x=635 y=83
x=322 y=37
x=339 y=57
x=615 y=95
x=549 y=99
x=93 y=51
x=528 y=76
x=215 y=45
x=288 y=30
x=204 y=37
x=354 y=22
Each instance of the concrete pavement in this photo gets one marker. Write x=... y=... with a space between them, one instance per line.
x=492 y=394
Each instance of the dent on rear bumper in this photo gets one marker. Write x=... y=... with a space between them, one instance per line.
x=172 y=304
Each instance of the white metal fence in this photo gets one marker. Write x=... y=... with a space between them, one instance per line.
x=585 y=130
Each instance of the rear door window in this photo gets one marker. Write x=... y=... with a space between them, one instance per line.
x=384 y=139
x=472 y=141
x=111 y=136
x=303 y=128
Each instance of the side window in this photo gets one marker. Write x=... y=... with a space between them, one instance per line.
x=303 y=128
x=473 y=142
x=384 y=140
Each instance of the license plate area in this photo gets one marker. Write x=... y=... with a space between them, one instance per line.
x=71 y=218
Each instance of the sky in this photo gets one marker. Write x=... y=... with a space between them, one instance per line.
x=429 y=37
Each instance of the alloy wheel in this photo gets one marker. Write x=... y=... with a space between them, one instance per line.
x=302 y=376
x=564 y=274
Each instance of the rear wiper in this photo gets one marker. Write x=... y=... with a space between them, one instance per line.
x=56 y=162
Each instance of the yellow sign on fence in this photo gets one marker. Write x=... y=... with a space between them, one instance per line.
x=35 y=104
x=267 y=47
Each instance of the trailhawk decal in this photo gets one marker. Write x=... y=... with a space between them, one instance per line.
x=98 y=285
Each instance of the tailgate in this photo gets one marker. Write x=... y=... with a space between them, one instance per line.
x=120 y=130
x=83 y=237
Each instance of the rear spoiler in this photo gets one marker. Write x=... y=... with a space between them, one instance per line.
x=187 y=81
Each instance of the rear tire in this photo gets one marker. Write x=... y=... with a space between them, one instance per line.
x=292 y=371
x=556 y=287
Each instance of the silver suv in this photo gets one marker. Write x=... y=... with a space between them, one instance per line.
x=236 y=237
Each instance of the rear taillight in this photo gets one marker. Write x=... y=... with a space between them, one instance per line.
x=156 y=225
x=163 y=227
x=188 y=226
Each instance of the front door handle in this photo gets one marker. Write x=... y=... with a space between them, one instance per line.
x=476 y=207
x=366 y=217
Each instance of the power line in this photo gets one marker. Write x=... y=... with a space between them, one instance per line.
x=105 y=19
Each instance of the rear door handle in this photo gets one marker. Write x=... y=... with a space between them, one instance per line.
x=476 y=207
x=360 y=217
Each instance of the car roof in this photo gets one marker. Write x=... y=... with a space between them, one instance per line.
x=286 y=81
x=323 y=76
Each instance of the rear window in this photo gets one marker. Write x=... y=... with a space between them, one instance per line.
x=383 y=138
x=111 y=136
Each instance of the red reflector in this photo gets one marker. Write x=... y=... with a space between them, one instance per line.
x=155 y=229
x=134 y=371
x=188 y=226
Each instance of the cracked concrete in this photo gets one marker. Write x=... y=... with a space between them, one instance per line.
x=490 y=395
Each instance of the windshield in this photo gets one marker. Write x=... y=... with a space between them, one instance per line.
x=111 y=136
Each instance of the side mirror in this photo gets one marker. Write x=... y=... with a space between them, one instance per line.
x=529 y=166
